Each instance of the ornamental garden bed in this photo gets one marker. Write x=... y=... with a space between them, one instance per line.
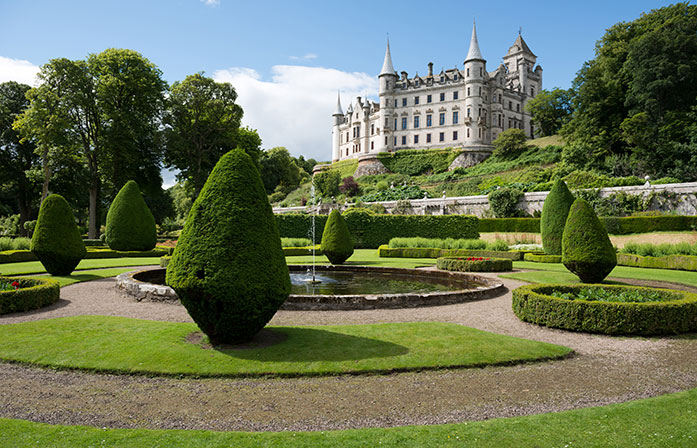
x=18 y=294
x=607 y=309
x=474 y=264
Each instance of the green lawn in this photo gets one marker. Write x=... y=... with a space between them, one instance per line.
x=119 y=344
x=661 y=422
x=35 y=267
x=367 y=257
x=88 y=275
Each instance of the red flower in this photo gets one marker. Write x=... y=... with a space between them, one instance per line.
x=15 y=284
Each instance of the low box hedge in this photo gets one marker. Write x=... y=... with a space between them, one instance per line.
x=306 y=250
x=676 y=262
x=474 y=264
x=613 y=225
x=16 y=256
x=534 y=304
x=542 y=258
x=33 y=293
x=426 y=252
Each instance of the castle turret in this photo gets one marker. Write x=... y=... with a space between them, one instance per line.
x=338 y=116
x=475 y=84
x=388 y=78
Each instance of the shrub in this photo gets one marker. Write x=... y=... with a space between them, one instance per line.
x=504 y=202
x=474 y=264
x=403 y=207
x=327 y=183
x=414 y=162
x=510 y=143
x=586 y=248
x=349 y=186
x=554 y=212
x=19 y=243
x=672 y=312
x=33 y=293
x=337 y=244
x=677 y=262
x=295 y=242
x=228 y=269
x=56 y=241
x=129 y=223
x=542 y=258
x=432 y=252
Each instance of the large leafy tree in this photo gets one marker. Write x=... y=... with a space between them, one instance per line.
x=201 y=124
x=550 y=110
x=633 y=100
x=16 y=156
x=104 y=110
x=278 y=170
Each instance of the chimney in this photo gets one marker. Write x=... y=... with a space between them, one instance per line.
x=430 y=69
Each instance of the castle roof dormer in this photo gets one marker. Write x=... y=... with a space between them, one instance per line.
x=519 y=46
x=387 y=67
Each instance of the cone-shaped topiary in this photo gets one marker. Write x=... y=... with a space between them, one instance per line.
x=129 y=223
x=337 y=243
x=56 y=241
x=228 y=269
x=554 y=213
x=586 y=248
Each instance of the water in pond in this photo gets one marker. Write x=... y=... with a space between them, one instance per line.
x=346 y=283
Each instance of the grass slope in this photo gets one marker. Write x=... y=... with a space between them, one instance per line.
x=119 y=344
x=666 y=421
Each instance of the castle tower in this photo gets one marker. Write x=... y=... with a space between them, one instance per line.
x=475 y=85
x=388 y=78
x=520 y=61
x=338 y=116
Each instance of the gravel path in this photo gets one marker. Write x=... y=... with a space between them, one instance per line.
x=604 y=370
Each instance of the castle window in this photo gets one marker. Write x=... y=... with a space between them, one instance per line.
x=480 y=132
x=468 y=73
x=455 y=77
x=441 y=119
x=416 y=121
x=479 y=112
x=532 y=90
x=456 y=95
x=416 y=139
x=395 y=103
x=480 y=91
x=358 y=131
x=500 y=120
x=416 y=100
x=387 y=123
x=468 y=91
x=347 y=138
x=385 y=140
x=428 y=120
x=510 y=107
x=404 y=102
x=395 y=141
x=480 y=71
x=416 y=83
x=395 y=124
x=442 y=96
x=442 y=78
x=404 y=122
x=428 y=138
x=517 y=107
x=454 y=135
x=404 y=140
x=468 y=132
x=428 y=98
x=455 y=117
x=372 y=129
x=372 y=145
x=469 y=112
x=494 y=97
x=441 y=137
x=509 y=124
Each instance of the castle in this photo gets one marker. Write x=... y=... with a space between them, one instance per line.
x=454 y=109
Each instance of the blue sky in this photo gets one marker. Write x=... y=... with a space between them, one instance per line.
x=287 y=59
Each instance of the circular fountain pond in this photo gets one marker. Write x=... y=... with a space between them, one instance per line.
x=347 y=287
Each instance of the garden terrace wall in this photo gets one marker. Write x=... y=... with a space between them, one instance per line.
x=33 y=293
x=426 y=252
x=532 y=303
x=676 y=262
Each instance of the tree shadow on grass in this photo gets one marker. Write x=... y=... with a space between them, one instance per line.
x=314 y=345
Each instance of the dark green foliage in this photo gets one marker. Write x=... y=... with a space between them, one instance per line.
x=228 y=268
x=129 y=223
x=554 y=213
x=463 y=264
x=33 y=293
x=418 y=161
x=327 y=183
x=646 y=224
x=397 y=193
x=369 y=230
x=429 y=252
x=510 y=143
x=676 y=313
x=337 y=244
x=550 y=110
x=56 y=241
x=524 y=225
x=504 y=202
x=586 y=248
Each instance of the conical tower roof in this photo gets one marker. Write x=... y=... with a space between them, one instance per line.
x=474 y=52
x=519 y=46
x=387 y=67
x=338 y=110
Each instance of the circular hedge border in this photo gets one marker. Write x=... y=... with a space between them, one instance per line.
x=33 y=293
x=532 y=303
x=474 y=264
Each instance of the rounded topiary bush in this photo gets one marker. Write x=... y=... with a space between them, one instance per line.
x=474 y=264
x=19 y=294
x=554 y=213
x=56 y=241
x=337 y=243
x=228 y=269
x=129 y=224
x=586 y=247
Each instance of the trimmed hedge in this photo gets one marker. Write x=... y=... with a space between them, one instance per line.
x=554 y=213
x=129 y=223
x=532 y=303
x=33 y=293
x=523 y=225
x=385 y=251
x=613 y=225
x=16 y=256
x=542 y=258
x=297 y=251
x=56 y=241
x=337 y=244
x=677 y=262
x=465 y=265
x=370 y=231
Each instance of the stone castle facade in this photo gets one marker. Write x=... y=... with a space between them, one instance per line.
x=457 y=108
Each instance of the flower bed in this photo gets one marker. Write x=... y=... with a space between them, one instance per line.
x=627 y=310
x=19 y=294
x=474 y=264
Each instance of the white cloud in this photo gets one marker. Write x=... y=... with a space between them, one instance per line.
x=211 y=2
x=307 y=57
x=18 y=70
x=294 y=108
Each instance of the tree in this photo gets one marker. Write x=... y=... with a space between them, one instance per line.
x=327 y=183
x=337 y=244
x=17 y=156
x=550 y=110
x=201 y=124
x=278 y=169
x=56 y=241
x=248 y=140
x=510 y=143
x=129 y=224
x=554 y=213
